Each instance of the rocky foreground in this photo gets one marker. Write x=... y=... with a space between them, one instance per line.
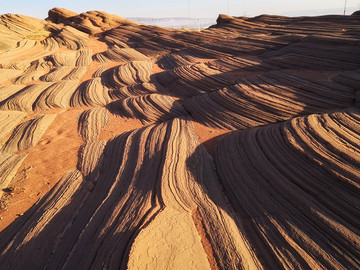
x=139 y=147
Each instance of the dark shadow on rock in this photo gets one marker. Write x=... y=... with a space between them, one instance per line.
x=267 y=202
x=80 y=235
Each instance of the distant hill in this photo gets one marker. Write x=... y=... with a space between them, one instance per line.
x=178 y=22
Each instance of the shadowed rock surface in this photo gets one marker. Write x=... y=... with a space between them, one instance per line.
x=106 y=131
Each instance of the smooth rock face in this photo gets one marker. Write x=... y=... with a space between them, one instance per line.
x=106 y=127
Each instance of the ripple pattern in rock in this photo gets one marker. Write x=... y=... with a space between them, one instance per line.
x=294 y=185
x=148 y=108
x=282 y=192
x=28 y=133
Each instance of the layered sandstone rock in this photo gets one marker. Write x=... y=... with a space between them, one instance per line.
x=102 y=167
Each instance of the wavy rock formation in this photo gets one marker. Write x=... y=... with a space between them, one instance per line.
x=138 y=110
x=91 y=122
x=187 y=81
x=91 y=22
x=8 y=120
x=136 y=90
x=132 y=73
x=17 y=27
x=28 y=133
x=267 y=98
x=9 y=164
x=148 y=108
x=146 y=176
x=41 y=96
x=71 y=58
x=295 y=186
x=117 y=54
x=91 y=93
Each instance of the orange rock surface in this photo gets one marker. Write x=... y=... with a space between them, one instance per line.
x=128 y=146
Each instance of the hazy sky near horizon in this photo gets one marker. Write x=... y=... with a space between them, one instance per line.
x=181 y=8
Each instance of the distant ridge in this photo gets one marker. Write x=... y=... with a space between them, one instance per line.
x=176 y=22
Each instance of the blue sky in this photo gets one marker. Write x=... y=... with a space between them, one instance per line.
x=179 y=8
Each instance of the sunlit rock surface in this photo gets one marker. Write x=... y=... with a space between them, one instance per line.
x=127 y=146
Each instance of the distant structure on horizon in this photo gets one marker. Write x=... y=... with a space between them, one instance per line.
x=201 y=23
x=178 y=22
x=345 y=10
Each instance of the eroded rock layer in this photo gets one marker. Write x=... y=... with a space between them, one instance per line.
x=294 y=186
x=139 y=108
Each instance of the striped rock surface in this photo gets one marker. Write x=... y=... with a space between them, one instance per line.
x=129 y=146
